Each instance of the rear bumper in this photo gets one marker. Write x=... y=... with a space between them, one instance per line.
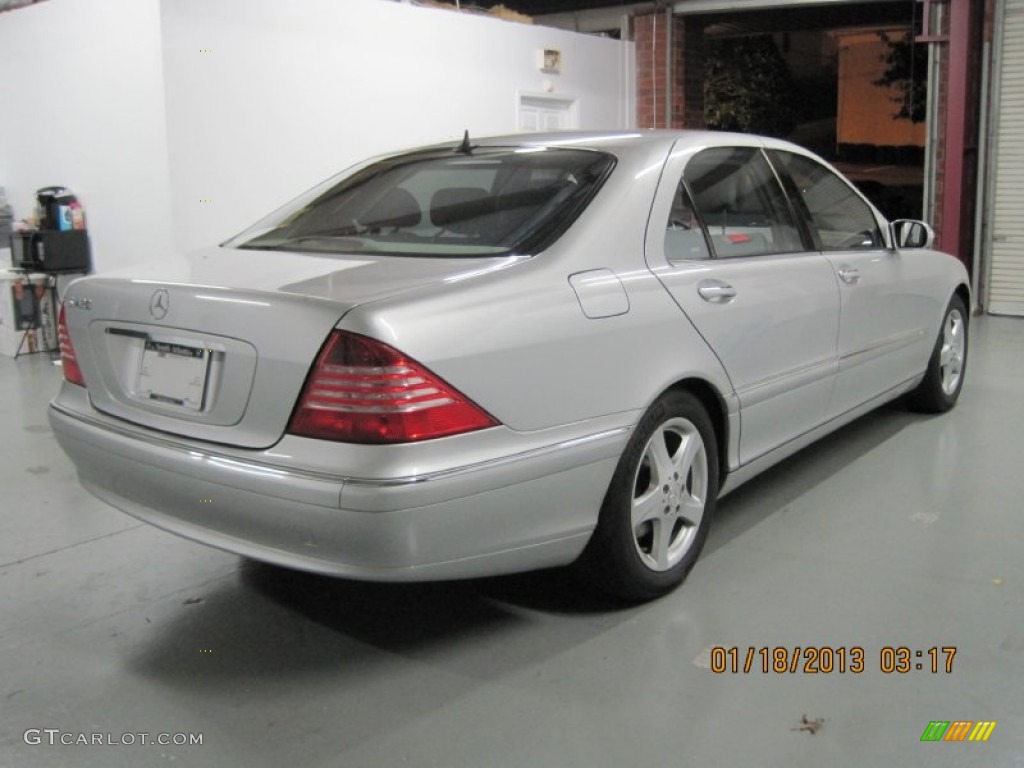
x=526 y=510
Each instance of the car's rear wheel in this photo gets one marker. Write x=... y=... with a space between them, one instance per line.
x=656 y=513
x=940 y=388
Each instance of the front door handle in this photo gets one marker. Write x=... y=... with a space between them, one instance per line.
x=849 y=275
x=716 y=291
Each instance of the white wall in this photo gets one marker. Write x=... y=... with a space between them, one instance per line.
x=118 y=100
x=295 y=91
x=82 y=106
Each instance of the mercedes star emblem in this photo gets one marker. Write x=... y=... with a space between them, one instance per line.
x=159 y=304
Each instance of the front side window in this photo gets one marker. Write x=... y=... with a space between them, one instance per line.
x=440 y=203
x=739 y=200
x=843 y=220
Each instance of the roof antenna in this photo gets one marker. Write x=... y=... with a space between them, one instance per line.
x=465 y=147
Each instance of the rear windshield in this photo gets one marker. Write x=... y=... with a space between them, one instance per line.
x=441 y=203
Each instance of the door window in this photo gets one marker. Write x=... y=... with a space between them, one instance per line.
x=684 y=237
x=843 y=220
x=738 y=199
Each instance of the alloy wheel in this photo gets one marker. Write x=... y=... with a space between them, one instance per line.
x=669 y=494
x=951 y=355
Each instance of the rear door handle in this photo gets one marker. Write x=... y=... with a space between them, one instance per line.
x=716 y=291
x=849 y=275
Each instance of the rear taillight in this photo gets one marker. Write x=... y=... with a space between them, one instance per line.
x=69 y=362
x=363 y=391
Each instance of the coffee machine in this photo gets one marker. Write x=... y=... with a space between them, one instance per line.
x=54 y=208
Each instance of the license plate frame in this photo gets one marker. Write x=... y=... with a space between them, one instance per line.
x=173 y=374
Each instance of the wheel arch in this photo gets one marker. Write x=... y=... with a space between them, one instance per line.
x=965 y=295
x=714 y=404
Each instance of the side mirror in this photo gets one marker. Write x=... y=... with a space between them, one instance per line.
x=908 y=233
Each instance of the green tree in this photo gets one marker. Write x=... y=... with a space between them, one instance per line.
x=748 y=88
x=906 y=70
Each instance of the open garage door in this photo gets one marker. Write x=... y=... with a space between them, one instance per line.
x=844 y=79
x=1006 y=272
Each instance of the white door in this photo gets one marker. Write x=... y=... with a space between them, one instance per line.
x=1006 y=271
x=542 y=113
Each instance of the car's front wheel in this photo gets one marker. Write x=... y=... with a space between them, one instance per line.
x=940 y=388
x=656 y=513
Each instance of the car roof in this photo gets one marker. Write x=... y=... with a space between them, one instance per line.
x=619 y=140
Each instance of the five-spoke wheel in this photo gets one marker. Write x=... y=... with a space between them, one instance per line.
x=669 y=493
x=953 y=350
x=942 y=382
x=656 y=513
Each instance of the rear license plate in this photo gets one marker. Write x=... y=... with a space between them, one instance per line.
x=173 y=374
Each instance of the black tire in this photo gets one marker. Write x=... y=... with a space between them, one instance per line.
x=940 y=388
x=624 y=559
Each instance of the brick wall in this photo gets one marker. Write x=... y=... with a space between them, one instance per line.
x=652 y=34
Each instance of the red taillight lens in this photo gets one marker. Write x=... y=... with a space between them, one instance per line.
x=363 y=391
x=69 y=362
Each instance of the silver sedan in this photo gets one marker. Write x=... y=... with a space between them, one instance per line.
x=506 y=354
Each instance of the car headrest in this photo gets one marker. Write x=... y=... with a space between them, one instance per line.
x=455 y=208
x=398 y=208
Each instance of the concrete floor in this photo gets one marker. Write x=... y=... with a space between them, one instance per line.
x=900 y=530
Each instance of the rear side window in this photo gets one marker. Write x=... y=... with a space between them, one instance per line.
x=841 y=217
x=684 y=236
x=739 y=200
x=441 y=203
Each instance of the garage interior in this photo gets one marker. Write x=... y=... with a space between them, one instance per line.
x=899 y=531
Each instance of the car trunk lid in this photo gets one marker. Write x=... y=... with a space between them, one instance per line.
x=218 y=345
